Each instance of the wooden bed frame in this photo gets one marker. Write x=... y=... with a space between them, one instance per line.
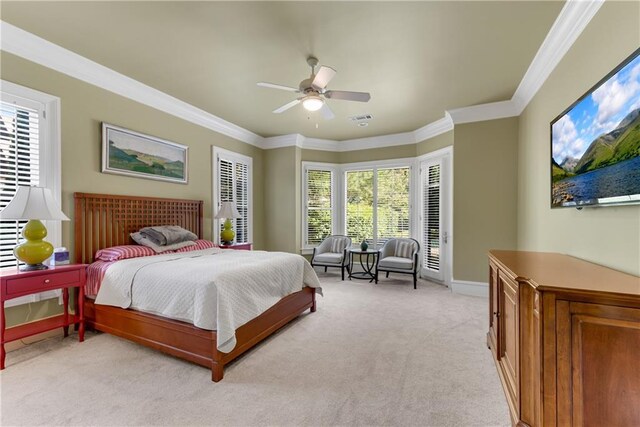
x=102 y=220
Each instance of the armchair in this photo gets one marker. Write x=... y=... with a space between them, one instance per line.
x=332 y=252
x=399 y=256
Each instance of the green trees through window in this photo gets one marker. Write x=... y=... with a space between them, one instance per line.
x=390 y=207
x=376 y=204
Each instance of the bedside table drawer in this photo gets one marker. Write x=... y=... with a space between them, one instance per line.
x=42 y=282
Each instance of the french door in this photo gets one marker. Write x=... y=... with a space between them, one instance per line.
x=434 y=189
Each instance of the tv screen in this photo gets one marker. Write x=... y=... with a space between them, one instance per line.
x=595 y=143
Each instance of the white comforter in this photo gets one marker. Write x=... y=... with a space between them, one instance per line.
x=212 y=289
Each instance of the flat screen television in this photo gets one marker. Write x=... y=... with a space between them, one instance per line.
x=595 y=143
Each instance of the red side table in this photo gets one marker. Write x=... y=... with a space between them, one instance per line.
x=238 y=246
x=15 y=283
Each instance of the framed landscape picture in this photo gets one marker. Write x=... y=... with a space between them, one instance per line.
x=125 y=152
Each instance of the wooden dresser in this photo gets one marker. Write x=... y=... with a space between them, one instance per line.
x=565 y=336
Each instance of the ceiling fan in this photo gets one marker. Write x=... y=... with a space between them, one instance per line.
x=315 y=93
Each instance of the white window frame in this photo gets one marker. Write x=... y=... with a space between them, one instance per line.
x=340 y=188
x=237 y=157
x=50 y=161
x=336 y=204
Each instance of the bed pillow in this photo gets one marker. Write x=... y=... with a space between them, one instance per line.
x=142 y=240
x=165 y=235
x=116 y=253
x=199 y=245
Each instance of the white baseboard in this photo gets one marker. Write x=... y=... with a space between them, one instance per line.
x=476 y=289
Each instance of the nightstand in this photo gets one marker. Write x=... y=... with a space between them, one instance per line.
x=237 y=246
x=15 y=283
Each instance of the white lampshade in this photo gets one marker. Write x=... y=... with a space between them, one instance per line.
x=228 y=210
x=33 y=203
x=312 y=103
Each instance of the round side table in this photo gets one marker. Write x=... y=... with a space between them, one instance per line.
x=368 y=265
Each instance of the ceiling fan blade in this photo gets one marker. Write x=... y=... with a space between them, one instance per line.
x=326 y=112
x=348 y=96
x=275 y=86
x=324 y=76
x=285 y=107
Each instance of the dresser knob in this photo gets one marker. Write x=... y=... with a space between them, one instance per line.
x=47 y=280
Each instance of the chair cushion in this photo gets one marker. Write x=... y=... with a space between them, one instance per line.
x=396 y=262
x=328 y=258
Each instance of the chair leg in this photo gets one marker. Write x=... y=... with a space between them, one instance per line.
x=415 y=281
x=387 y=274
x=342 y=272
x=325 y=269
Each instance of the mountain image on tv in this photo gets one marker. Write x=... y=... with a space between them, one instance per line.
x=596 y=144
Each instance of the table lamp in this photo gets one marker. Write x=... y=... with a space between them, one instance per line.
x=227 y=211
x=34 y=204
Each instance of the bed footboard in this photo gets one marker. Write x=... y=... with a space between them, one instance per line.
x=190 y=343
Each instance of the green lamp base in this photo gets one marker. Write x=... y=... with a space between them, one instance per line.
x=227 y=234
x=35 y=250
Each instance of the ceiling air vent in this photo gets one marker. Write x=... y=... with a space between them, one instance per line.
x=361 y=118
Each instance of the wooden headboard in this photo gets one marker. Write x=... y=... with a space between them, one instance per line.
x=104 y=220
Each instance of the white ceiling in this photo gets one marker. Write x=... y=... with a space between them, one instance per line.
x=417 y=59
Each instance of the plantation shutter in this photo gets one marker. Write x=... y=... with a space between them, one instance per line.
x=233 y=185
x=19 y=165
x=431 y=230
x=242 y=202
x=225 y=169
x=319 y=205
x=393 y=203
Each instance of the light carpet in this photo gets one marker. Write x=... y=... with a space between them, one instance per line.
x=381 y=354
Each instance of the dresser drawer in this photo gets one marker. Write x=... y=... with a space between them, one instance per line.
x=42 y=282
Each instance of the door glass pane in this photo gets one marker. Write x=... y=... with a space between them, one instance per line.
x=431 y=215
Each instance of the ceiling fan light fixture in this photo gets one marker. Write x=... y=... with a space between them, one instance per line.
x=312 y=103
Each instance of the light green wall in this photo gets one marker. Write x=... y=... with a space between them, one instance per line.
x=320 y=156
x=484 y=194
x=282 y=199
x=435 y=143
x=610 y=235
x=83 y=108
x=384 y=153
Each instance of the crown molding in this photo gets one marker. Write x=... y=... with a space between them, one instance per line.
x=36 y=49
x=572 y=20
x=377 y=141
x=483 y=112
x=321 y=144
x=291 y=140
x=434 y=129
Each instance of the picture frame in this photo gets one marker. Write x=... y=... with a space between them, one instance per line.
x=130 y=153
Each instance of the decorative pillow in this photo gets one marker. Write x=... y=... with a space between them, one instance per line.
x=167 y=234
x=141 y=240
x=199 y=245
x=116 y=253
x=404 y=249
x=338 y=244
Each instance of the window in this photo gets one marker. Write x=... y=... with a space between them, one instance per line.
x=318 y=204
x=374 y=202
x=29 y=155
x=232 y=183
x=378 y=203
x=360 y=205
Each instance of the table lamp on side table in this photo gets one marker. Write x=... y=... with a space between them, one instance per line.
x=34 y=204
x=227 y=211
